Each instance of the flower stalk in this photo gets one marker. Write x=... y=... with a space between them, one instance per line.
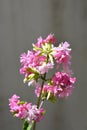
x=39 y=99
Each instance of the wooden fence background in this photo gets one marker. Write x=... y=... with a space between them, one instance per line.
x=21 y=22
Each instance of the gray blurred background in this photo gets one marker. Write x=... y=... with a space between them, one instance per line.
x=21 y=23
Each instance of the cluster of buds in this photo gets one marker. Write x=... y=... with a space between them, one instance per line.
x=35 y=65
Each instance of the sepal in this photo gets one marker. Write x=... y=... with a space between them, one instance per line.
x=52 y=98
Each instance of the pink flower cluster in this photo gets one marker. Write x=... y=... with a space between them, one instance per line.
x=61 y=86
x=62 y=53
x=35 y=65
x=30 y=60
x=25 y=110
x=35 y=62
x=43 y=57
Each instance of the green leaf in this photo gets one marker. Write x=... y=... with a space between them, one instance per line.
x=26 y=125
x=29 y=127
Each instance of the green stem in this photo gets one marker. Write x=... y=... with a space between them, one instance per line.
x=39 y=100
x=34 y=125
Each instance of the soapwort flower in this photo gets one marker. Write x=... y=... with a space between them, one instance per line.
x=35 y=66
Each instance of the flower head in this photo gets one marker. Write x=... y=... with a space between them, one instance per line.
x=24 y=110
x=62 y=53
x=13 y=101
x=63 y=83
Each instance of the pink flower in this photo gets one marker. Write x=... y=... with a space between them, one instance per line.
x=37 y=90
x=31 y=60
x=62 y=53
x=46 y=90
x=39 y=114
x=63 y=83
x=13 y=101
x=45 y=67
x=24 y=110
x=50 y=38
x=40 y=41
